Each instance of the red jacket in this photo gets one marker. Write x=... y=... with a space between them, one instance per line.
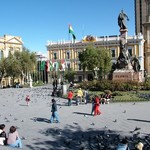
x=70 y=95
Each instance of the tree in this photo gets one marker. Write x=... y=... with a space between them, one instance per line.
x=89 y=58
x=19 y=64
x=12 y=67
x=69 y=75
x=2 y=69
x=93 y=57
x=104 y=62
x=27 y=60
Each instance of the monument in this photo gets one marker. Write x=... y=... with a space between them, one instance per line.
x=126 y=68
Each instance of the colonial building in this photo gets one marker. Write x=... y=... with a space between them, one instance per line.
x=9 y=43
x=142 y=25
x=68 y=51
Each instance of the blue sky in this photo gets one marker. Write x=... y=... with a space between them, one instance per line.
x=38 y=21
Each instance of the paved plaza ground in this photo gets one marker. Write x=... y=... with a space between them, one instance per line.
x=77 y=128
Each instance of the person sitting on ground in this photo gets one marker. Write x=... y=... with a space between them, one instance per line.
x=139 y=146
x=3 y=139
x=123 y=145
x=54 y=92
x=71 y=85
x=13 y=138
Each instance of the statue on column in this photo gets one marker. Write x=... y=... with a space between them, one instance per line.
x=122 y=20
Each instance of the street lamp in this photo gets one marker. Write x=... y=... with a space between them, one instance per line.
x=96 y=70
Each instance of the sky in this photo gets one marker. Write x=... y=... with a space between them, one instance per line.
x=39 y=21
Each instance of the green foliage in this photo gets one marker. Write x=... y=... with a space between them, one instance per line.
x=96 y=57
x=146 y=85
x=69 y=75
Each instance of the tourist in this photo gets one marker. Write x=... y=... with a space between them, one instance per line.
x=123 y=145
x=93 y=105
x=3 y=139
x=70 y=96
x=86 y=96
x=96 y=106
x=13 y=138
x=54 y=112
x=80 y=94
x=27 y=100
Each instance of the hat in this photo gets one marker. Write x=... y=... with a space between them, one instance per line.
x=139 y=146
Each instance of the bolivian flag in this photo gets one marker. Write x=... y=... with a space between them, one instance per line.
x=72 y=32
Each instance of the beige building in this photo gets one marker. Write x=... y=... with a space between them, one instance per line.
x=142 y=25
x=9 y=43
x=67 y=51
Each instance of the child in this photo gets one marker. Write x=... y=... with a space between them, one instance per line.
x=3 y=139
x=27 y=99
x=54 y=112
x=96 y=106
x=13 y=138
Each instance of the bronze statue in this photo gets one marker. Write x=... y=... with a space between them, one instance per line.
x=122 y=20
x=135 y=63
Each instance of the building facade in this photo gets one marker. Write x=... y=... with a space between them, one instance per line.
x=67 y=51
x=9 y=43
x=142 y=25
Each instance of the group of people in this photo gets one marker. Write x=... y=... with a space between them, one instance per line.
x=11 y=139
x=80 y=96
x=123 y=145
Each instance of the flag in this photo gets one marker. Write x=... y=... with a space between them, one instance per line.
x=50 y=65
x=72 y=32
x=42 y=66
x=62 y=65
x=47 y=66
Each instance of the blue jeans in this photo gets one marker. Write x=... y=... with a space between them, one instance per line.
x=69 y=102
x=18 y=143
x=54 y=116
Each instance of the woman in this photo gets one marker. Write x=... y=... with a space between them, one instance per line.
x=13 y=138
x=96 y=106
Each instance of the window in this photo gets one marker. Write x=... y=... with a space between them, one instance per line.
x=79 y=66
x=113 y=53
x=148 y=8
x=68 y=55
x=68 y=66
x=55 y=55
x=130 y=52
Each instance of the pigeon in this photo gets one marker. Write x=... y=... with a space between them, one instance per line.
x=75 y=123
x=124 y=111
x=93 y=124
x=137 y=129
x=115 y=120
x=133 y=104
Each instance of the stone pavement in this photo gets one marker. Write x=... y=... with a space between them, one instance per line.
x=77 y=128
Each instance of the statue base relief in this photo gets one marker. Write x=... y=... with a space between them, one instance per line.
x=127 y=75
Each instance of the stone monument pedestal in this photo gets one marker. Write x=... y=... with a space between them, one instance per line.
x=127 y=75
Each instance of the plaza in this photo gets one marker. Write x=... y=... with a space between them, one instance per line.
x=77 y=128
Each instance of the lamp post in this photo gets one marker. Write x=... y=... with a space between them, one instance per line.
x=96 y=70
